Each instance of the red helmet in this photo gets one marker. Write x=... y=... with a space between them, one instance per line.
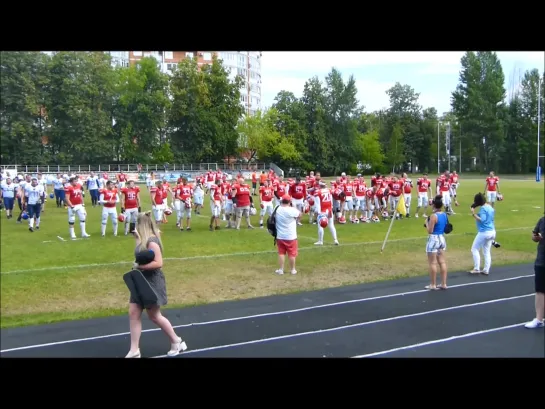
x=168 y=212
x=324 y=222
x=311 y=201
x=121 y=217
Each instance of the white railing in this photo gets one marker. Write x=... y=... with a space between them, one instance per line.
x=132 y=167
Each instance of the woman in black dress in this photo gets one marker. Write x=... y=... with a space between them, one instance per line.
x=147 y=238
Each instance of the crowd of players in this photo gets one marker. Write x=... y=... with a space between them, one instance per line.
x=325 y=204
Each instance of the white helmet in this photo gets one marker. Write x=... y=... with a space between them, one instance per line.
x=253 y=211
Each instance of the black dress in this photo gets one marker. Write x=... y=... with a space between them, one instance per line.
x=155 y=278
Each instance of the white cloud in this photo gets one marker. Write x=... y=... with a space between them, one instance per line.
x=436 y=71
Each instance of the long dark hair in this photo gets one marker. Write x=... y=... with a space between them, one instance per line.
x=437 y=202
x=478 y=200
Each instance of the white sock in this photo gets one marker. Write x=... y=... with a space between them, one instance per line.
x=82 y=226
x=320 y=233
x=103 y=228
x=71 y=230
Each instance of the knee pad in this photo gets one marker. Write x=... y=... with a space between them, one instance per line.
x=70 y=223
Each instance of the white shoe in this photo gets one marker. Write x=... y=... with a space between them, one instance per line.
x=535 y=323
x=294 y=272
x=134 y=354
x=73 y=238
x=279 y=271
x=85 y=236
x=176 y=348
x=319 y=243
x=336 y=242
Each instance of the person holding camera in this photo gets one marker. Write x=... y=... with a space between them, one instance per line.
x=436 y=225
x=486 y=234
x=539 y=269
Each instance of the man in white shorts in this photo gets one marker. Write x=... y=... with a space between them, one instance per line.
x=492 y=188
x=109 y=198
x=424 y=189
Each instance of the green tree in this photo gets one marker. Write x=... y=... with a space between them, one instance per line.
x=23 y=129
x=371 y=151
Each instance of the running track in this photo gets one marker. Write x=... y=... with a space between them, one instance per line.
x=476 y=317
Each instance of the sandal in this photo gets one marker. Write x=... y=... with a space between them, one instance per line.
x=442 y=287
x=431 y=287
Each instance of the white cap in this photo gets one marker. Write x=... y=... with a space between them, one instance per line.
x=343 y=174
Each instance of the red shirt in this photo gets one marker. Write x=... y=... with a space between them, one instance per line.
x=266 y=194
x=243 y=195
x=109 y=195
x=491 y=183
x=326 y=200
x=74 y=194
x=158 y=198
x=298 y=191
x=130 y=197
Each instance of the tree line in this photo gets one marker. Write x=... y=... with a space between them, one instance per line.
x=74 y=107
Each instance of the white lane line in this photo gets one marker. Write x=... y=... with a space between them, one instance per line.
x=440 y=341
x=267 y=314
x=358 y=325
x=243 y=253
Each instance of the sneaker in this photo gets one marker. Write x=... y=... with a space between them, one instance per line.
x=30 y=229
x=336 y=242
x=279 y=272
x=535 y=323
x=176 y=348
x=293 y=272
x=319 y=243
x=475 y=271
x=135 y=354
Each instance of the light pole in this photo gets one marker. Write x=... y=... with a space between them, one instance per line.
x=447 y=143
x=538 y=168
x=438 y=148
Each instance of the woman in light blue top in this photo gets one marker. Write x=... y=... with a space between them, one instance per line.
x=436 y=244
x=486 y=234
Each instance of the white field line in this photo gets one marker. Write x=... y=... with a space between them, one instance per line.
x=350 y=326
x=242 y=253
x=442 y=340
x=269 y=314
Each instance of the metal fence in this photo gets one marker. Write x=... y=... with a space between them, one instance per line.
x=132 y=167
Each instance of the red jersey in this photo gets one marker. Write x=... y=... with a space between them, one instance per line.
x=226 y=190
x=130 y=197
x=378 y=182
x=348 y=189
x=311 y=181
x=74 y=194
x=105 y=176
x=423 y=185
x=492 y=183
x=109 y=195
x=407 y=186
x=210 y=177
x=242 y=195
x=380 y=193
x=360 y=189
x=326 y=200
x=122 y=177
x=215 y=193
x=158 y=199
x=298 y=191
x=266 y=194
x=183 y=192
x=444 y=186
x=396 y=188
x=369 y=193
x=166 y=188
x=453 y=178
x=280 y=189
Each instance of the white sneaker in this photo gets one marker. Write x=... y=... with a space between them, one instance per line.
x=176 y=348
x=73 y=238
x=319 y=243
x=535 y=323
x=294 y=272
x=336 y=242
x=134 y=354
x=85 y=236
x=279 y=271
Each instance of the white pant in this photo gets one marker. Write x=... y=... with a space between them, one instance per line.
x=198 y=199
x=121 y=185
x=228 y=207
x=182 y=210
x=408 y=198
x=243 y=211
x=330 y=224
x=297 y=203
x=158 y=212
x=336 y=205
x=267 y=209
x=491 y=196
x=483 y=241
x=109 y=212
x=446 y=198
x=78 y=210
x=349 y=204
x=131 y=215
x=394 y=200
x=215 y=207
x=423 y=200
x=361 y=203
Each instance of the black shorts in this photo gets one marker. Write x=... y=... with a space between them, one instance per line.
x=254 y=184
x=539 y=279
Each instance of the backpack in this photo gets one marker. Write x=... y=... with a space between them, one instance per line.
x=271 y=224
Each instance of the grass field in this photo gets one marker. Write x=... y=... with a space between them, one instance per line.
x=46 y=280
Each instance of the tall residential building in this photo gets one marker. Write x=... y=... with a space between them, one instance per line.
x=244 y=63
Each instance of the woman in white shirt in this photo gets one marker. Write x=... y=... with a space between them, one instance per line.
x=286 y=233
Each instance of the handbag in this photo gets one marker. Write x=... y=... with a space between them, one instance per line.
x=140 y=288
x=448 y=226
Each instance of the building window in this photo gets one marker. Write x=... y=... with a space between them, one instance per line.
x=207 y=56
x=189 y=55
x=169 y=55
x=137 y=53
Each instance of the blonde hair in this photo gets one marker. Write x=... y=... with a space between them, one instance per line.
x=146 y=228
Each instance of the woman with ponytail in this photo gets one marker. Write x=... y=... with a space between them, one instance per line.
x=436 y=245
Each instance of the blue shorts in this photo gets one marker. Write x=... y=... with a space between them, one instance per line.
x=8 y=203
x=34 y=210
x=59 y=193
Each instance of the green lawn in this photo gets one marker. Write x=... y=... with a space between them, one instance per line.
x=47 y=280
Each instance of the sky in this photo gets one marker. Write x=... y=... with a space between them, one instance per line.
x=432 y=74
